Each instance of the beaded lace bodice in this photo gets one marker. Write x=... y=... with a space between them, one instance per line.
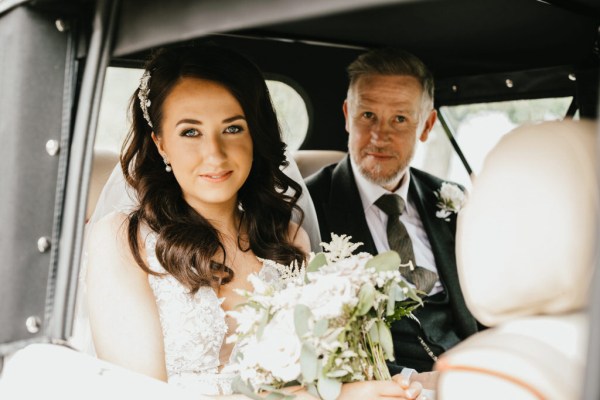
x=194 y=328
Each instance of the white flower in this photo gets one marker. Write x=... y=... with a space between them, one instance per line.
x=279 y=349
x=246 y=317
x=292 y=273
x=322 y=311
x=339 y=248
x=450 y=200
x=327 y=296
x=286 y=299
x=260 y=287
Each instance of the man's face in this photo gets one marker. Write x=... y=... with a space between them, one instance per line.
x=384 y=119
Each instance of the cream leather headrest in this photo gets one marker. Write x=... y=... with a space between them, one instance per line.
x=525 y=241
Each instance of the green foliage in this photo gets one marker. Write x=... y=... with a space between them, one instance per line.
x=320 y=327
x=388 y=261
x=403 y=309
x=302 y=314
x=329 y=389
x=317 y=262
x=366 y=298
x=239 y=386
x=309 y=363
x=385 y=339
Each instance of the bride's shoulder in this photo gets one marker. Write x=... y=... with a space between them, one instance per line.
x=113 y=225
x=108 y=247
x=109 y=236
x=299 y=237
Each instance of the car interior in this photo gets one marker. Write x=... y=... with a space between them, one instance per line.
x=516 y=91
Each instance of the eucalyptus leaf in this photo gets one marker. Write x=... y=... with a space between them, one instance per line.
x=309 y=363
x=317 y=262
x=366 y=297
x=388 y=261
x=312 y=390
x=397 y=291
x=391 y=304
x=329 y=389
x=411 y=292
x=320 y=327
x=239 y=386
x=385 y=339
x=275 y=396
x=267 y=388
x=338 y=373
x=275 y=393
x=374 y=333
x=302 y=315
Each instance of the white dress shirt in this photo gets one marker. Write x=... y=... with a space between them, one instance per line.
x=377 y=220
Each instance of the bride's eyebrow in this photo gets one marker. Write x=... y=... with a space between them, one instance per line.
x=198 y=122
x=234 y=118
x=188 y=121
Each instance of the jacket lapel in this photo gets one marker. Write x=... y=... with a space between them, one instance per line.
x=441 y=235
x=439 y=231
x=346 y=215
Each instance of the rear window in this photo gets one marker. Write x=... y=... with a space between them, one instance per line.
x=478 y=127
x=120 y=83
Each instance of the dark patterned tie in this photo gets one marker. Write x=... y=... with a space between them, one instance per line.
x=398 y=239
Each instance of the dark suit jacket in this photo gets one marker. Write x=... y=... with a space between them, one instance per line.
x=339 y=210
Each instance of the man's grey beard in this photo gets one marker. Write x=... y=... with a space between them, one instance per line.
x=375 y=176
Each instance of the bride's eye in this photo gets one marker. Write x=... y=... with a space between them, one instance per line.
x=191 y=132
x=233 y=129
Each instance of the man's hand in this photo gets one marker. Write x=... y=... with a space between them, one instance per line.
x=429 y=380
x=380 y=390
x=414 y=385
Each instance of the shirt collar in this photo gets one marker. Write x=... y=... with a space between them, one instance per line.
x=369 y=192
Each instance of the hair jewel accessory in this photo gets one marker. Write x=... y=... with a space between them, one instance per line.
x=143 y=92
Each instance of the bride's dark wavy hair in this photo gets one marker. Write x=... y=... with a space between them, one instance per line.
x=187 y=243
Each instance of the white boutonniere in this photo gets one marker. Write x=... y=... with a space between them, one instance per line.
x=450 y=200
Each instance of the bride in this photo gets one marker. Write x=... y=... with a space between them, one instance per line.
x=203 y=157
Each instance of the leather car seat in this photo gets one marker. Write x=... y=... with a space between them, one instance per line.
x=525 y=247
x=311 y=161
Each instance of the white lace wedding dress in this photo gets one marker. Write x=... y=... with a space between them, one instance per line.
x=194 y=329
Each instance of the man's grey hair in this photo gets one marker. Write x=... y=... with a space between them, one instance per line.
x=391 y=61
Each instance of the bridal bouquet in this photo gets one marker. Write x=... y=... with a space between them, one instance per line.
x=322 y=325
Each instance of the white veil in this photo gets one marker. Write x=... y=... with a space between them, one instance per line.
x=116 y=195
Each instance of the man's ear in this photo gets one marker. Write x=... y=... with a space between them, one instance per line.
x=158 y=144
x=345 y=108
x=428 y=125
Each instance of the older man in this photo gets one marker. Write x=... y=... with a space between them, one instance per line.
x=375 y=197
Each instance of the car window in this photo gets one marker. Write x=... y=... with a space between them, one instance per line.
x=291 y=112
x=113 y=121
x=478 y=127
x=120 y=83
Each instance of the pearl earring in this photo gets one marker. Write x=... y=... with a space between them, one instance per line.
x=167 y=165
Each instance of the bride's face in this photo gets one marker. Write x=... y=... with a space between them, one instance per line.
x=206 y=140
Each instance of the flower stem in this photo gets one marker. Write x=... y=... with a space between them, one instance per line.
x=380 y=369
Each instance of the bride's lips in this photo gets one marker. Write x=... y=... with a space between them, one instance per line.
x=216 y=177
